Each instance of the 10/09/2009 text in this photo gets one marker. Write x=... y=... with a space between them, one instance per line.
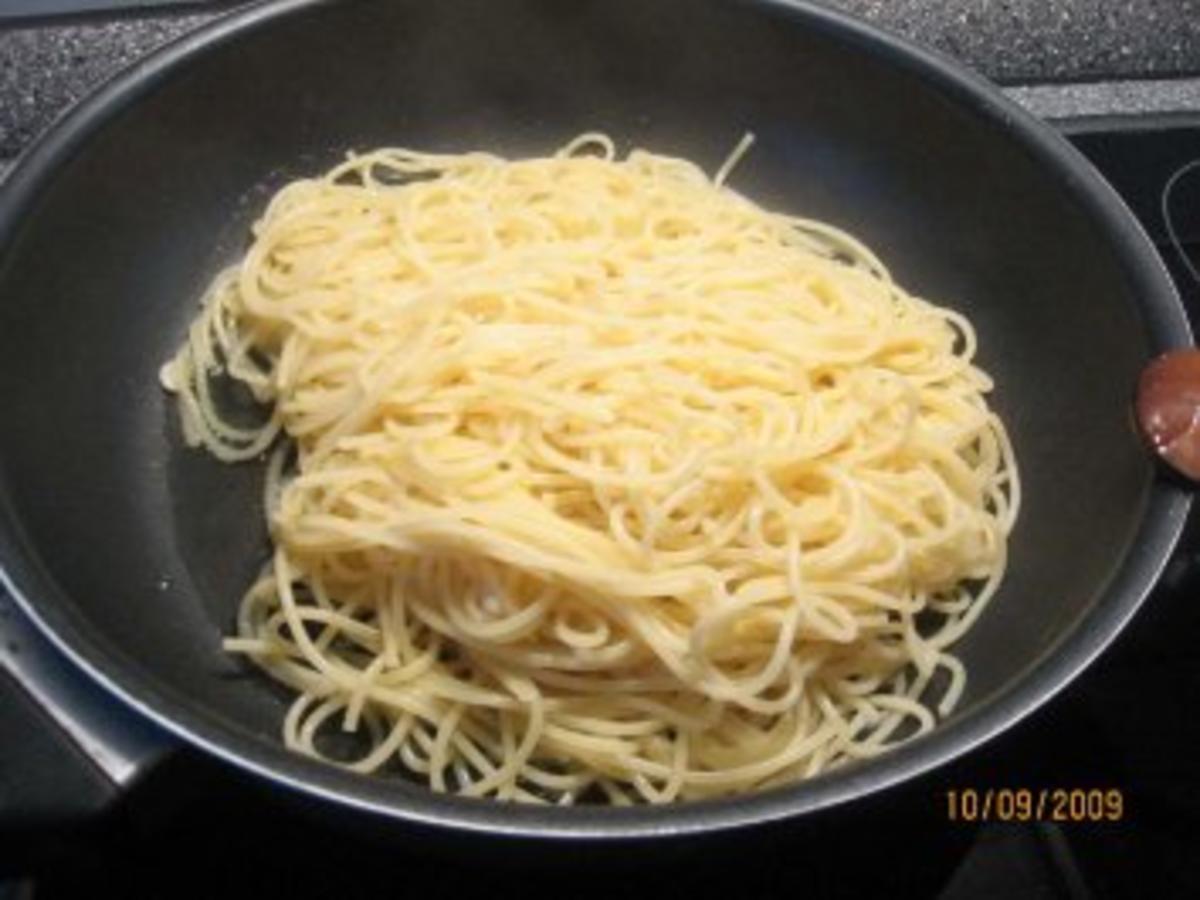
x=1060 y=805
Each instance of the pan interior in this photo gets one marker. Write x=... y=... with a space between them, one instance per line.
x=153 y=544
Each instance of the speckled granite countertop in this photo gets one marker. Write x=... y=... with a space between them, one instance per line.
x=1015 y=42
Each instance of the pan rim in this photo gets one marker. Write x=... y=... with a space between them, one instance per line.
x=1164 y=514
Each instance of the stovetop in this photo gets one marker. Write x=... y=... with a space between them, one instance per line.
x=196 y=828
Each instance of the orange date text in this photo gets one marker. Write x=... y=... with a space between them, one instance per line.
x=1059 y=805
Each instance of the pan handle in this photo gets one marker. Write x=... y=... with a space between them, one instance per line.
x=68 y=750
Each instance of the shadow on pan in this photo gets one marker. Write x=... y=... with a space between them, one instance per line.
x=132 y=552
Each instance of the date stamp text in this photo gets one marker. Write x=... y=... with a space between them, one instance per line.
x=1059 y=805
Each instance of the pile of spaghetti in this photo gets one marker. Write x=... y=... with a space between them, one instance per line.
x=590 y=479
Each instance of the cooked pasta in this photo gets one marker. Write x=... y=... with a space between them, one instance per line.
x=591 y=480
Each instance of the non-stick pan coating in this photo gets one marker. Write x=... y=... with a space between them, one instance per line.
x=134 y=551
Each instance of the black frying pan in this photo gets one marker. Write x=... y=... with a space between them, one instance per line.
x=131 y=552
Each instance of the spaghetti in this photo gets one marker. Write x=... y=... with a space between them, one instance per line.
x=597 y=480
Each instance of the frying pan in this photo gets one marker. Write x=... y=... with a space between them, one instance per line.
x=130 y=552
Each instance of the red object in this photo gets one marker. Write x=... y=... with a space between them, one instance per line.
x=1168 y=409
